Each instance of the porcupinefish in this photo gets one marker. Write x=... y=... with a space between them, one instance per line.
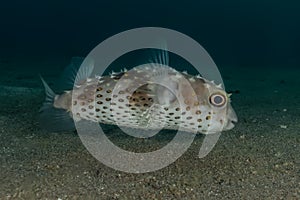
x=150 y=96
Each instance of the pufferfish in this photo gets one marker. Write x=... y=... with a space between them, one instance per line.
x=149 y=96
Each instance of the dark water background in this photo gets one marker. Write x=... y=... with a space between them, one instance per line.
x=236 y=33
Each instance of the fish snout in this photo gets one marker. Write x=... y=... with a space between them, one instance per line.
x=231 y=118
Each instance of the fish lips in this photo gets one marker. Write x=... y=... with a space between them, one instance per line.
x=232 y=118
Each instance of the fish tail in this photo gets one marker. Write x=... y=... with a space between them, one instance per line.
x=51 y=118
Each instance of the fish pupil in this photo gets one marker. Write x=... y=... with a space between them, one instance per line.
x=218 y=100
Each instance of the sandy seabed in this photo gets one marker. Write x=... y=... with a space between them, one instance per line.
x=258 y=159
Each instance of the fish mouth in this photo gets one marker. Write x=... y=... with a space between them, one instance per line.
x=230 y=125
x=232 y=119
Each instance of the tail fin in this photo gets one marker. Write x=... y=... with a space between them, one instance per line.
x=51 y=118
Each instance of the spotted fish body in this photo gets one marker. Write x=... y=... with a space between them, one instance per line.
x=150 y=97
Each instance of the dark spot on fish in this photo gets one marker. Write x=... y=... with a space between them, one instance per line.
x=171 y=113
x=99 y=95
x=108 y=99
x=121 y=107
x=91 y=113
x=105 y=107
x=115 y=96
x=99 y=89
x=99 y=102
x=166 y=109
x=189 y=117
x=192 y=124
x=177 y=117
x=74 y=103
x=91 y=107
x=199 y=120
x=97 y=110
x=199 y=126
x=82 y=97
x=177 y=109
x=198 y=112
x=208 y=117
x=83 y=109
x=146 y=105
x=188 y=108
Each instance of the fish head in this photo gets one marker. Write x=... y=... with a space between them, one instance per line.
x=206 y=104
x=220 y=116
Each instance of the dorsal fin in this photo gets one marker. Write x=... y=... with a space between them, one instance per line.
x=160 y=56
x=75 y=72
x=85 y=71
x=165 y=86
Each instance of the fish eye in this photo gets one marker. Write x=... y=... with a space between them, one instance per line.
x=217 y=100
